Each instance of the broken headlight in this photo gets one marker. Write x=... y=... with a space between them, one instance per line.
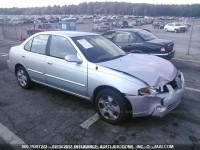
x=152 y=90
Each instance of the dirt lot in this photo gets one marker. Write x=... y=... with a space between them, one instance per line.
x=46 y=116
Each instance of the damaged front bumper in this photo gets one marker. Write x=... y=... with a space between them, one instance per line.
x=160 y=104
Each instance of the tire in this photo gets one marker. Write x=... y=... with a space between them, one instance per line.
x=23 y=78
x=176 y=30
x=166 y=30
x=112 y=107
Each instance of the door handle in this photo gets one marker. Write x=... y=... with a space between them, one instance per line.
x=23 y=56
x=49 y=63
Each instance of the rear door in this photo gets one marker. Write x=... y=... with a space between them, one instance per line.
x=109 y=35
x=125 y=40
x=33 y=58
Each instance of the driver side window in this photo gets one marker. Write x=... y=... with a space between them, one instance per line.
x=60 y=47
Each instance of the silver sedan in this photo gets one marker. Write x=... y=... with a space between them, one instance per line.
x=87 y=65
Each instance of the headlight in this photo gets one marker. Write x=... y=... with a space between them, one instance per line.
x=150 y=90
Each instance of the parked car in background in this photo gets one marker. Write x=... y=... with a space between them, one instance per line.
x=175 y=27
x=87 y=65
x=40 y=28
x=103 y=19
x=80 y=21
x=141 y=41
x=96 y=20
x=186 y=24
x=16 y=22
x=101 y=27
x=123 y=24
x=158 y=24
x=135 y=23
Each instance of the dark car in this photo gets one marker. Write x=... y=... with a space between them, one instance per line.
x=123 y=24
x=141 y=41
x=158 y=24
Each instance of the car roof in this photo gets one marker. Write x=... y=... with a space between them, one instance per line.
x=128 y=30
x=68 y=33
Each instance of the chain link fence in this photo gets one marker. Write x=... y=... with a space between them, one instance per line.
x=16 y=31
x=185 y=43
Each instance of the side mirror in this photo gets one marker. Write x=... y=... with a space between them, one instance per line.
x=73 y=58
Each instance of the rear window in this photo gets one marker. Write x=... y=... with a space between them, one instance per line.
x=147 y=36
x=27 y=46
x=39 y=44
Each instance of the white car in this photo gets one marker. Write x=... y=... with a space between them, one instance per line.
x=101 y=27
x=103 y=19
x=175 y=27
x=96 y=20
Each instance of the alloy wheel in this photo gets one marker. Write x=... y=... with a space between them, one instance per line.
x=109 y=107
x=21 y=77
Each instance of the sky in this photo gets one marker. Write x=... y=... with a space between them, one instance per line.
x=40 y=3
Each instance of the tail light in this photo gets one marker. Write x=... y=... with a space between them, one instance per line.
x=163 y=49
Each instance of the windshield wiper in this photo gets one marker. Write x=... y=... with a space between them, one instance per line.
x=107 y=59
x=102 y=59
x=118 y=56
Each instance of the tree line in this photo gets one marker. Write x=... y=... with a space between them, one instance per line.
x=120 y=8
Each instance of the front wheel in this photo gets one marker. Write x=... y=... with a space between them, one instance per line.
x=23 y=78
x=112 y=106
x=166 y=30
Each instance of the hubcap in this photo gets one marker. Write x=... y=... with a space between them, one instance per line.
x=21 y=76
x=109 y=107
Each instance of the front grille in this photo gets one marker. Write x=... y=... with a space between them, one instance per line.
x=172 y=106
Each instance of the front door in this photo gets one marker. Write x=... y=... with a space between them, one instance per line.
x=71 y=77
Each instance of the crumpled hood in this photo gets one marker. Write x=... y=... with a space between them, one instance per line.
x=151 y=69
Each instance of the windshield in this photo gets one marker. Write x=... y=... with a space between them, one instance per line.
x=178 y=24
x=147 y=36
x=97 y=48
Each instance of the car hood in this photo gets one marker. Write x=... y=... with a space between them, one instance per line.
x=159 y=41
x=151 y=69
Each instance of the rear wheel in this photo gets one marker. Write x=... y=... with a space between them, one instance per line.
x=23 y=78
x=112 y=106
